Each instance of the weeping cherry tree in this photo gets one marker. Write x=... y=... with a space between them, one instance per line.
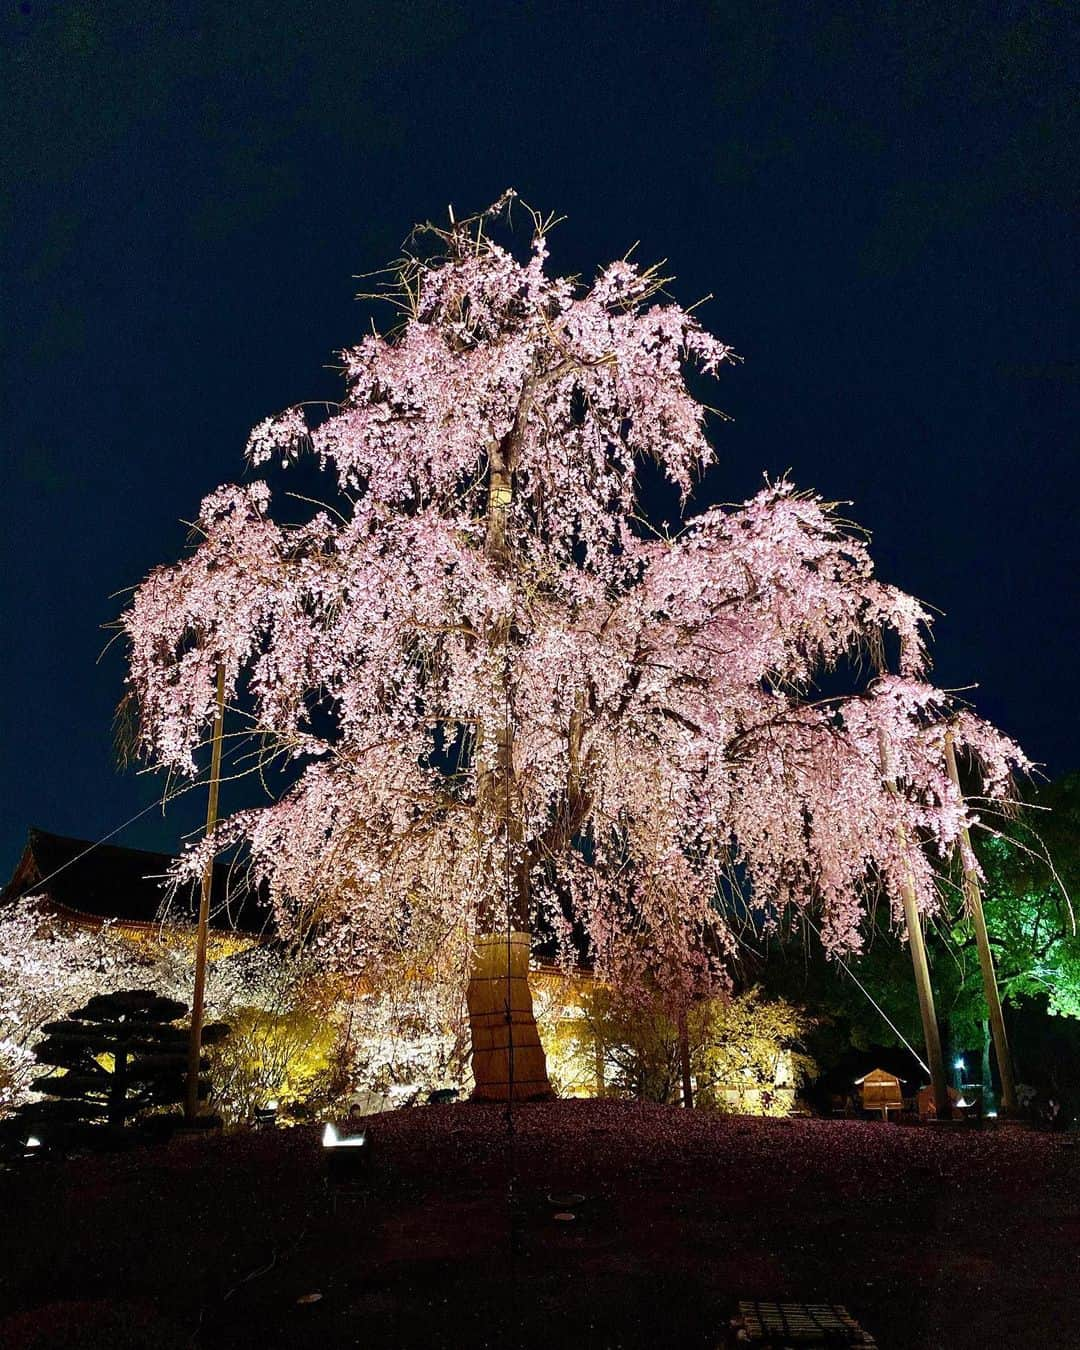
x=510 y=705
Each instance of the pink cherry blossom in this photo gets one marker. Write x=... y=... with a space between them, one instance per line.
x=502 y=692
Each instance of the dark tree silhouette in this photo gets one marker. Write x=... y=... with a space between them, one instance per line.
x=113 y=1060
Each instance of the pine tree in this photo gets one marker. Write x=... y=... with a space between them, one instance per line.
x=114 y=1061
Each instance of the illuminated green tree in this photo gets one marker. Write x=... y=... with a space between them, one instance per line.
x=743 y=1044
x=1032 y=869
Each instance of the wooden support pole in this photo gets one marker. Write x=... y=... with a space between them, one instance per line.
x=973 y=902
x=684 y=1061
x=913 y=923
x=931 y=1031
x=198 y=998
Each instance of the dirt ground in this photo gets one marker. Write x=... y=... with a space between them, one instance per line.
x=932 y=1237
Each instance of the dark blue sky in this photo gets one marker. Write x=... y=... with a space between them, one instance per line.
x=877 y=195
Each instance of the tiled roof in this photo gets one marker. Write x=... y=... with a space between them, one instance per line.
x=105 y=881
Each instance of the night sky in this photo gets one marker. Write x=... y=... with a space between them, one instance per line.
x=877 y=194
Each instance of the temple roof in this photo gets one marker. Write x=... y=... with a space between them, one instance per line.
x=94 y=882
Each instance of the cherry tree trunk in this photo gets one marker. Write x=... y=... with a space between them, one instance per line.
x=507 y=1058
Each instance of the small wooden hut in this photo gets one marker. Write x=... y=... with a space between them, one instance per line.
x=881 y=1091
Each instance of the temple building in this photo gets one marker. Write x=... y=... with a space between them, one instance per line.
x=88 y=885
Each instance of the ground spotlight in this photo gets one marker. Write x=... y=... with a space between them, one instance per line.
x=346 y=1154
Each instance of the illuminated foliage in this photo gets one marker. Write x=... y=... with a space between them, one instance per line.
x=751 y=1055
x=284 y=1057
x=1030 y=869
x=407 y=1039
x=48 y=966
x=746 y=1050
x=504 y=697
x=567 y=1034
x=1031 y=872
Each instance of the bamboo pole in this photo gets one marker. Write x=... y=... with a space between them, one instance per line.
x=913 y=921
x=684 y=1061
x=198 y=998
x=973 y=902
x=931 y=1031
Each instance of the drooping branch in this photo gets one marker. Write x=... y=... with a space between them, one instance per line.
x=481 y=654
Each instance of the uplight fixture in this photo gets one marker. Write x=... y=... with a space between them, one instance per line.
x=331 y=1138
